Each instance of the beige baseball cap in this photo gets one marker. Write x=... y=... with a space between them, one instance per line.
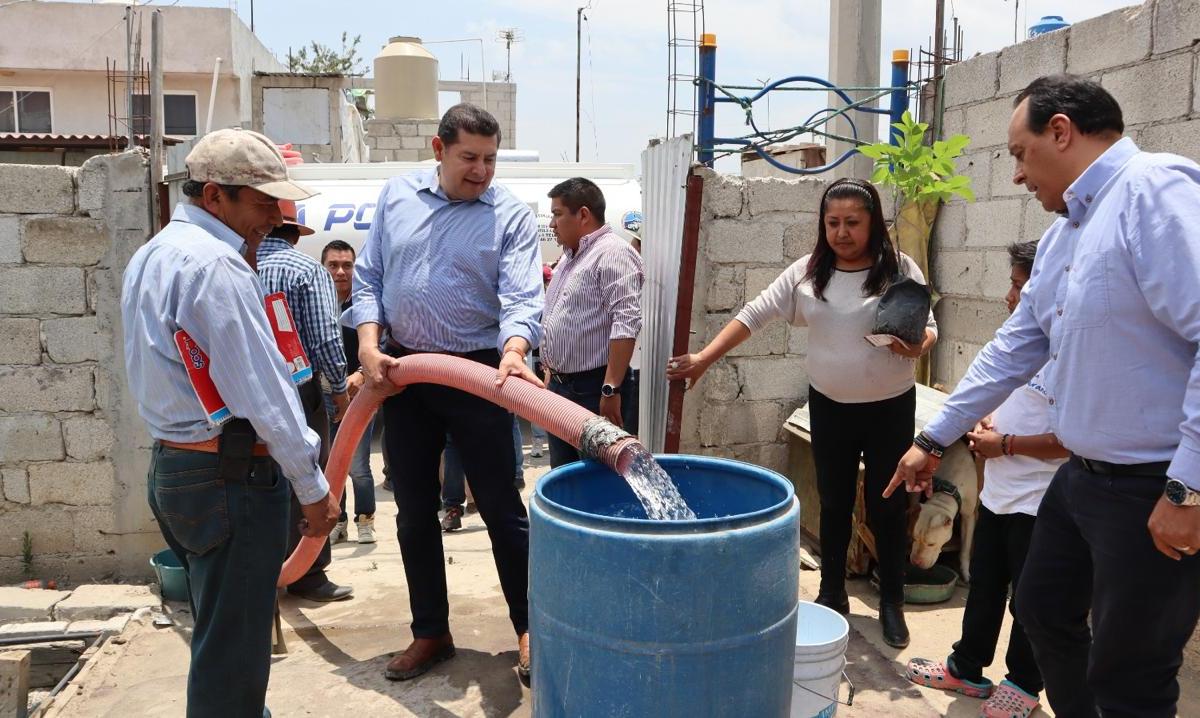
x=244 y=158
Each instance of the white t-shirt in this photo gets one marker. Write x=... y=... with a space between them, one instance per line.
x=1016 y=484
x=841 y=364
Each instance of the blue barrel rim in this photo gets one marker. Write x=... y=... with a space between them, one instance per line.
x=647 y=526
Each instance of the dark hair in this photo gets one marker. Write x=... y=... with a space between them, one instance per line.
x=885 y=265
x=195 y=189
x=580 y=192
x=337 y=245
x=1089 y=106
x=1021 y=254
x=467 y=118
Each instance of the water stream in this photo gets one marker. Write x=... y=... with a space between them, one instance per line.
x=653 y=486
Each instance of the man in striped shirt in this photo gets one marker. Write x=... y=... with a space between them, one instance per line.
x=593 y=309
x=310 y=294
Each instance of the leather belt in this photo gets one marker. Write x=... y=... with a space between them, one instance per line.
x=567 y=378
x=1157 y=469
x=210 y=446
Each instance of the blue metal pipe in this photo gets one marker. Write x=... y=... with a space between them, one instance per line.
x=706 y=99
x=899 y=96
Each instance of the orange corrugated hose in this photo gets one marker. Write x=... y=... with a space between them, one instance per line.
x=557 y=415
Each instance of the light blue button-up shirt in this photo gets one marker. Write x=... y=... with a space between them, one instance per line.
x=1113 y=306
x=445 y=275
x=192 y=276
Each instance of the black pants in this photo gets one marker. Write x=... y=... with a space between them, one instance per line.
x=1091 y=550
x=318 y=421
x=416 y=422
x=997 y=556
x=584 y=389
x=879 y=432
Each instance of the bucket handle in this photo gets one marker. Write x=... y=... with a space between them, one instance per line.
x=849 y=694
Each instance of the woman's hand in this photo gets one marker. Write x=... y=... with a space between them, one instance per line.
x=687 y=366
x=987 y=443
x=907 y=351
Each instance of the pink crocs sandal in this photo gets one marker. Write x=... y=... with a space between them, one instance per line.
x=930 y=674
x=1008 y=702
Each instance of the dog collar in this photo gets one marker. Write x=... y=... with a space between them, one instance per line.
x=941 y=486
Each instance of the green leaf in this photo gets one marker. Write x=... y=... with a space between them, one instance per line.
x=872 y=151
x=880 y=175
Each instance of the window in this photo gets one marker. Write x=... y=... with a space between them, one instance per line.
x=179 y=114
x=25 y=110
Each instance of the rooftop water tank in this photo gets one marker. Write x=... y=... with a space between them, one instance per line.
x=406 y=80
x=1048 y=23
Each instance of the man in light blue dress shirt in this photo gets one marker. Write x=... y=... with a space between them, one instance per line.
x=451 y=265
x=1112 y=309
x=220 y=496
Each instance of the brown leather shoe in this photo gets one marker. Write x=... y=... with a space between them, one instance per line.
x=421 y=655
x=523 y=665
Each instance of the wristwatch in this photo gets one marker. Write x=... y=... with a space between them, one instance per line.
x=929 y=446
x=1179 y=494
x=609 y=390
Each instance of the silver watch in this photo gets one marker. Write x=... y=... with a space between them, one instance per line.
x=1179 y=494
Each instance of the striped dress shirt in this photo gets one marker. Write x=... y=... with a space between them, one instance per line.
x=446 y=275
x=593 y=298
x=312 y=297
x=192 y=276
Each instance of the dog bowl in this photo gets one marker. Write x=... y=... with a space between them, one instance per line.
x=929 y=585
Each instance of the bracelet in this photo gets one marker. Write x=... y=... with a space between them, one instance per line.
x=1006 y=445
x=924 y=443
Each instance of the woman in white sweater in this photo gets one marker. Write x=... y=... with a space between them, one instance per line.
x=862 y=398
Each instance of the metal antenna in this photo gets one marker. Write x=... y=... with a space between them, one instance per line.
x=509 y=36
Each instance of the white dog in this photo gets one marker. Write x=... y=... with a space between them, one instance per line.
x=956 y=493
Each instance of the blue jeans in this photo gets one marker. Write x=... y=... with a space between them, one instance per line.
x=231 y=537
x=454 y=491
x=360 y=467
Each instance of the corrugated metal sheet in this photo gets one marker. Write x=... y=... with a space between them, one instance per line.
x=665 y=168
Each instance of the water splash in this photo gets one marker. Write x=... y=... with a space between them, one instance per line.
x=653 y=486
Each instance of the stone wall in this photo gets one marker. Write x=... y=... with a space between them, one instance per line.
x=72 y=448
x=401 y=140
x=1145 y=55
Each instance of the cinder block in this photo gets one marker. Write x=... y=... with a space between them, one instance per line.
x=1176 y=25
x=1111 y=40
x=736 y=240
x=987 y=123
x=978 y=167
x=1003 y=168
x=87 y=438
x=125 y=210
x=770 y=340
x=772 y=456
x=103 y=601
x=725 y=288
x=16 y=485
x=388 y=143
x=30 y=437
x=970 y=320
x=10 y=240
x=782 y=377
x=767 y=194
x=406 y=155
x=33 y=628
x=954 y=122
x=1153 y=91
x=46 y=388
x=30 y=189
x=972 y=80
x=723 y=194
x=997 y=275
x=20 y=341
x=1036 y=221
x=800 y=238
x=74 y=340
x=113 y=625
x=758 y=279
x=20 y=605
x=1023 y=63
x=959 y=273
x=429 y=129
x=71 y=483
x=798 y=340
x=950 y=228
x=995 y=223
x=413 y=143
x=380 y=128
x=720 y=382
x=406 y=130
x=127 y=171
x=1182 y=138
x=94 y=529
x=49 y=531
x=42 y=290
x=740 y=422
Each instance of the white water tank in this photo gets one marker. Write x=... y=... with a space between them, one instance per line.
x=406 y=80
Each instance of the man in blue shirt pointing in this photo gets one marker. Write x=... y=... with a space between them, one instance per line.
x=1112 y=309
x=451 y=265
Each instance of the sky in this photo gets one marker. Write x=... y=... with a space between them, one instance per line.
x=624 y=53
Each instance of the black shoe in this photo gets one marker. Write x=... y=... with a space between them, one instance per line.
x=325 y=593
x=841 y=603
x=895 y=630
x=387 y=484
x=452 y=521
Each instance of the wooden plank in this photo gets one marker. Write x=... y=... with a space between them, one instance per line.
x=14 y=684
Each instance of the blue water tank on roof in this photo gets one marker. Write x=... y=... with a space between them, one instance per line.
x=1048 y=23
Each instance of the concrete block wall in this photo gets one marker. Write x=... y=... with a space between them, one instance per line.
x=73 y=453
x=1145 y=55
x=498 y=98
x=401 y=140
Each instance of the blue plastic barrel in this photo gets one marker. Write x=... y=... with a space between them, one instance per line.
x=1048 y=23
x=637 y=618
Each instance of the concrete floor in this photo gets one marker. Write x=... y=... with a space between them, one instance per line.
x=337 y=652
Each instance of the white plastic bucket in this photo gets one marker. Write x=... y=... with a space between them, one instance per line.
x=821 y=638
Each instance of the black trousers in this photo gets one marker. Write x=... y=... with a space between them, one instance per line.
x=997 y=558
x=584 y=389
x=416 y=422
x=318 y=421
x=879 y=432
x=1091 y=550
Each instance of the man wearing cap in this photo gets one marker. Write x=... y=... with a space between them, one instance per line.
x=220 y=500
x=451 y=265
x=312 y=299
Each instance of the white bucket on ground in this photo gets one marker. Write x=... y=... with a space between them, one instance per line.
x=821 y=638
